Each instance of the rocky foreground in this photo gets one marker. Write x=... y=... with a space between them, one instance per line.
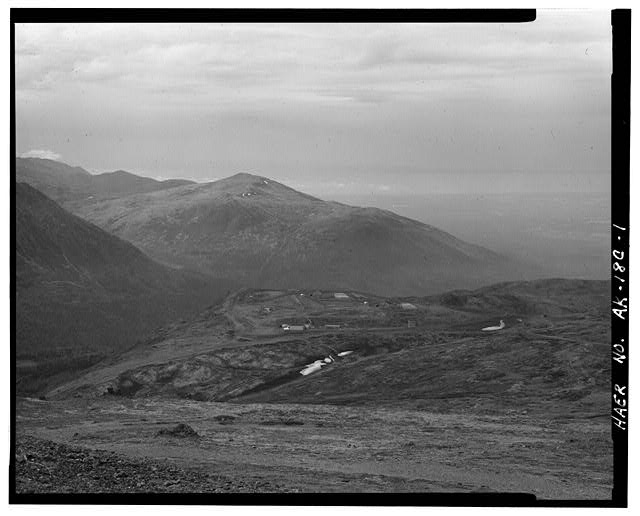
x=43 y=466
x=128 y=446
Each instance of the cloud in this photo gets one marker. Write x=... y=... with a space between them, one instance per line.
x=316 y=102
x=213 y=66
x=42 y=154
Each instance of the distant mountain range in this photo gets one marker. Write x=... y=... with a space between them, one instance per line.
x=83 y=293
x=63 y=183
x=259 y=233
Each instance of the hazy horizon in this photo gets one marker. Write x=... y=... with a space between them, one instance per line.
x=391 y=109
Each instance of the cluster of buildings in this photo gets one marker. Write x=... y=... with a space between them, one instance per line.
x=297 y=327
x=411 y=323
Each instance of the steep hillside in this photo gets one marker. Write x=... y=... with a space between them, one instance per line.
x=64 y=183
x=82 y=293
x=264 y=234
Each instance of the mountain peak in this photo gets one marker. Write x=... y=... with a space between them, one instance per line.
x=251 y=186
x=246 y=183
x=118 y=172
x=246 y=178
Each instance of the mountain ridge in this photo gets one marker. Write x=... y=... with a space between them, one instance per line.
x=264 y=234
x=64 y=182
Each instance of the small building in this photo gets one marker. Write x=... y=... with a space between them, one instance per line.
x=293 y=328
x=340 y=295
x=408 y=306
x=411 y=324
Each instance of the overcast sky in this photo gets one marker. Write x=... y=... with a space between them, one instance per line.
x=396 y=108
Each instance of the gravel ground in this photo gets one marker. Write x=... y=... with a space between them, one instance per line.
x=44 y=466
x=180 y=446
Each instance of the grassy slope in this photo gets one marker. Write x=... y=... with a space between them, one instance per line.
x=277 y=237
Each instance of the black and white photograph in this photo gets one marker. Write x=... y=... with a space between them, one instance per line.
x=267 y=253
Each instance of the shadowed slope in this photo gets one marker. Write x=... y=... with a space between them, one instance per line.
x=83 y=293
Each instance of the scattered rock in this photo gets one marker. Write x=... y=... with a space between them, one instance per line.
x=225 y=419
x=69 y=469
x=179 y=430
